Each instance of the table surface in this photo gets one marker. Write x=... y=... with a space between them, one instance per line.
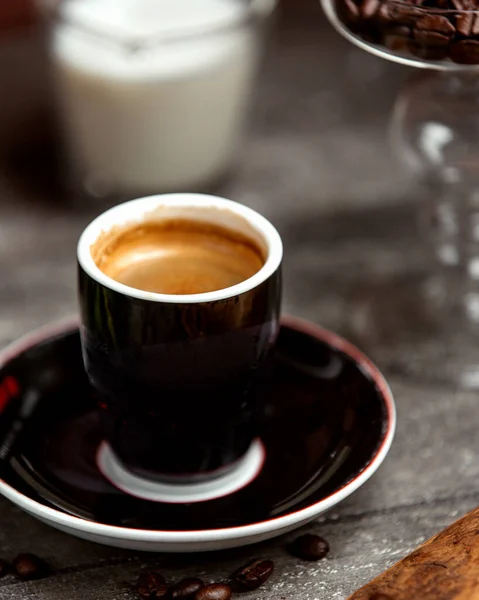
x=317 y=162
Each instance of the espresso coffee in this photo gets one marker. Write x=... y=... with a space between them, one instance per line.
x=177 y=256
x=179 y=378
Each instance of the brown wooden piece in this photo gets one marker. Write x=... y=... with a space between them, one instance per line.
x=446 y=567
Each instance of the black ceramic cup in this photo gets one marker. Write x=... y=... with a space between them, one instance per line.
x=179 y=376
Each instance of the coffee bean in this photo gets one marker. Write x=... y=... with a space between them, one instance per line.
x=464 y=24
x=405 y=15
x=417 y=26
x=380 y=597
x=151 y=585
x=475 y=26
x=309 y=547
x=433 y=31
x=4 y=568
x=432 y=34
x=215 y=591
x=436 y=23
x=463 y=4
x=349 y=12
x=186 y=588
x=28 y=566
x=383 y=17
x=465 y=52
x=397 y=38
x=431 y=39
x=254 y=574
x=467 y=24
x=368 y=8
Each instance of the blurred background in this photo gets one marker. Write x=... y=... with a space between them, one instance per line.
x=314 y=157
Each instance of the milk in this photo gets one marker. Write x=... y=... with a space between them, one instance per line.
x=153 y=93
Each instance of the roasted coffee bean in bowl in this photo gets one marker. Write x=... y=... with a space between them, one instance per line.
x=441 y=32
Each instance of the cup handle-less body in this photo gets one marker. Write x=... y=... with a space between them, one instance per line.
x=180 y=383
x=179 y=377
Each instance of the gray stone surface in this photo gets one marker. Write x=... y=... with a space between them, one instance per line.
x=363 y=544
x=317 y=162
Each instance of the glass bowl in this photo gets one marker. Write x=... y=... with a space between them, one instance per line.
x=409 y=33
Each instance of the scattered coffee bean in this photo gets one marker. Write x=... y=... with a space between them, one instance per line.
x=309 y=547
x=254 y=574
x=151 y=585
x=380 y=597
x=4 y=568
x=28 y=566
x=215 y=591
x=186 y=588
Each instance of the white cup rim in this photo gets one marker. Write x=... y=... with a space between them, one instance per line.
x=132 y=210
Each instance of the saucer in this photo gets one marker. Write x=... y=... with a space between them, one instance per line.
x=329 y=423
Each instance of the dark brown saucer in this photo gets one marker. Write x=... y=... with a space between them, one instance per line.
x=329 y=423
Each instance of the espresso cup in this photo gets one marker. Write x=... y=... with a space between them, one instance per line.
x=179 y=376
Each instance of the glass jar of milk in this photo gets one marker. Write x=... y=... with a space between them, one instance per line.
x=153 y=94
